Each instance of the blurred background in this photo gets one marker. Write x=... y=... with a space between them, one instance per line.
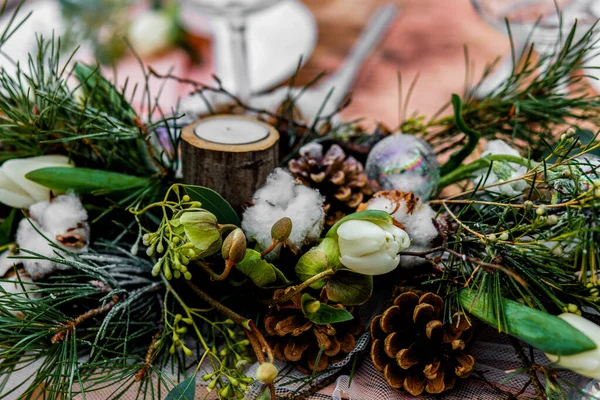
x=195 y=39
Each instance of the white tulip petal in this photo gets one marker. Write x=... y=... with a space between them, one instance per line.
x=357 y=237
x=373 y=264
x=16 y=170
x=587 y=363
x=15 y=200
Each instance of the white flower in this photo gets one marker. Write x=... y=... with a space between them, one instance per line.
x=502 y=171
x=151 y=33
x=282 y=197
x=370 y=249
x=63 y=221
x=18 y=191
x=586 y=363
x=416 y=218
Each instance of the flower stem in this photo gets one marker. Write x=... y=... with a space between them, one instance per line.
x=294 y=290
x=235 y=317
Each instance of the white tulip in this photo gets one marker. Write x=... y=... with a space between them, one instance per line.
x=151 y=33
x=586 y=363
x=19 y=192
x=371 y=249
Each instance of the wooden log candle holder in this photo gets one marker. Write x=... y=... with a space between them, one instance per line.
x=230 y=154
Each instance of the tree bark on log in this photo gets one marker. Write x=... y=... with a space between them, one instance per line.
x=235 y=171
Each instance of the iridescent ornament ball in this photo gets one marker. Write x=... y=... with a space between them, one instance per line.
x=406 y=163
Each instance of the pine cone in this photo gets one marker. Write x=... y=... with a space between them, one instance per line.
x=341 y=179
x=297 y=341
x=415 y=350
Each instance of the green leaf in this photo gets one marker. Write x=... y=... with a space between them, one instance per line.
x=375 y=216
x=261 y=272
x=85 y=180
x=213 y=202
x=310 y=264
x=325 y=314
x=185 y=390
x=541 y=330
x=8 y=226
x=458 y=157
x=349 y=288
x=201 y=229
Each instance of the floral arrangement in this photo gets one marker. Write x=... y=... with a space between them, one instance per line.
x=116 y=272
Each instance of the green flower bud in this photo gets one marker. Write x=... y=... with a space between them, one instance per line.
x=157 y=267
x=233 y=381
x=234 y=246
x=225 y=392
x=212 y=384
x=187 y=276
x=181 y=331
x=552 y=219
x=188 y=321
x=186 y=198
x=208 y=376
x=572 y=308
x=281 y=229
x=541 y=210
x=202 y=230
x=178 y=318
x=172 y=349
x=313 y=306
x=266 y=372
x=503 y=236
x=176 y=274
x=160 y=248
x=176 y=240
x=186 y=351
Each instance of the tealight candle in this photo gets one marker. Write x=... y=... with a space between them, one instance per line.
x=231 y=129
x=231 y=154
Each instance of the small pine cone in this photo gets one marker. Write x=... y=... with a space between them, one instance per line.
x=297 y=341
x=415 y=350
x=340 y=178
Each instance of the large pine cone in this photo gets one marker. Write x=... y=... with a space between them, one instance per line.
x=341 y=179
x=415 y=350
x=297 y=341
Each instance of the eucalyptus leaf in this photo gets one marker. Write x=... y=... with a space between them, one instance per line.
x=261 y=272
x=349 y=288
x=375 y=216
x=85 y=180
x=325 y=314
x=539 y=329
x=201 y=229
x=213 y=202
x=310 y=264
x=185 y=390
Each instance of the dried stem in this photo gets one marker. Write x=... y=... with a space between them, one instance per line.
x=68 y=327
x=294 y=290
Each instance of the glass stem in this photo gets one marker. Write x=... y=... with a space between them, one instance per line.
x=239 y=56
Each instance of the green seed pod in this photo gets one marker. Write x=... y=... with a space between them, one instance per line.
x=177 y=274
x=172 y=349
x=225 y=391
x=175 y=240
x=185 y=198
x=208 y=376
x=281 y=229
x=178 y=318
x=187 y=276
x=186 y=351
x=234 y=382
x=234 y=246
x=160 y=248
x=188 y=321
x=212 y=384
x=182 y=331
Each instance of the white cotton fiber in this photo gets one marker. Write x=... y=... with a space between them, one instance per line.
x=282 y=197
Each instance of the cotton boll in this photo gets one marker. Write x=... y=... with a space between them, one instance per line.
x=282 y=197
x=278 y=191
x=63 y=222
x=414 y=216
x=502 y=171
x=18 y=285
